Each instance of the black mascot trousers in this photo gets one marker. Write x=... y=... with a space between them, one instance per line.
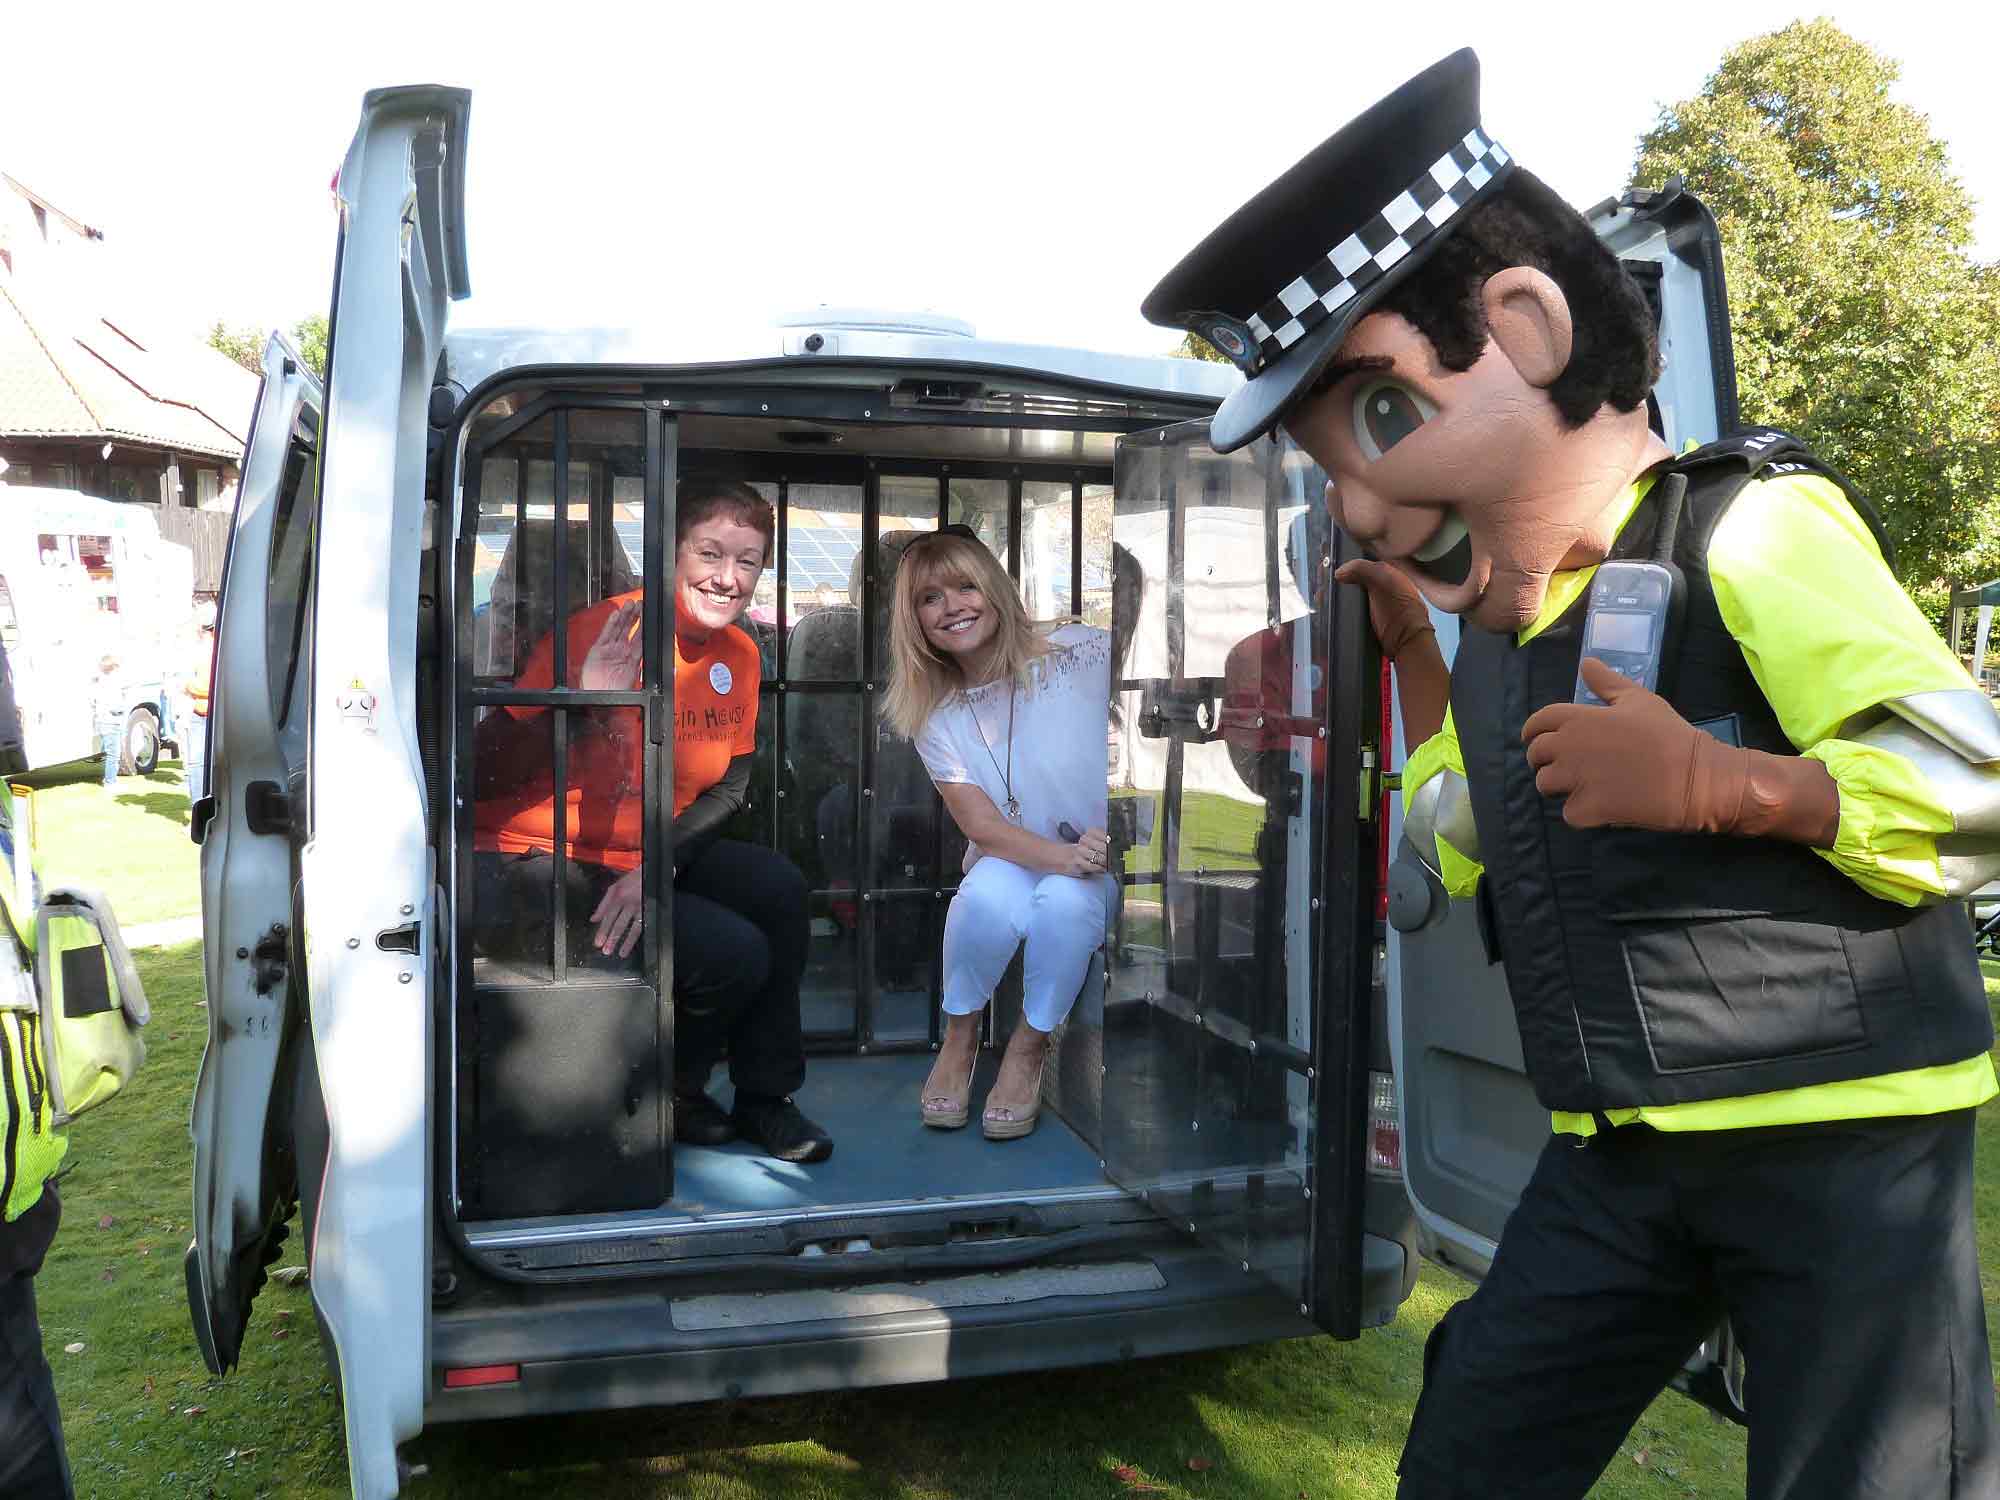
x=33 y=1465
x=1843 y=1253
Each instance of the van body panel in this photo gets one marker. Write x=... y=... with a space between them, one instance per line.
x=339 y=839
x=365 y=878
x=244 y=1187
x=584 y=1350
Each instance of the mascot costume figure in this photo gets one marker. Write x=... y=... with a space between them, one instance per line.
x=1729 y=905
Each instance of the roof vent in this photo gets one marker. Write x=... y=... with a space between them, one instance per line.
x=819 y=330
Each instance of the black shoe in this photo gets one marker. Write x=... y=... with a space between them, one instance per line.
x=700 y=1121
x=776 y=1127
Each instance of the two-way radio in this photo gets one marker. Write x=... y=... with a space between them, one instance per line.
x=1635 y=606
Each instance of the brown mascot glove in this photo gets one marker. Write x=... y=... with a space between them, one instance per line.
x=1636 y=763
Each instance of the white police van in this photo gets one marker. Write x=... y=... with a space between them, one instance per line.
x=479 y=1150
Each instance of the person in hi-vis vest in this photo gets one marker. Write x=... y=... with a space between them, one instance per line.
x=1728 y=909
x=33 y=1463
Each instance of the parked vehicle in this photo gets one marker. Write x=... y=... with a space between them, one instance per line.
x=498 y=1218
x=81 y=577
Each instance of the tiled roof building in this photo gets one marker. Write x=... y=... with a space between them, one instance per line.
x=89 y=401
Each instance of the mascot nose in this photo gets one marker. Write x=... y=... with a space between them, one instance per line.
x=1358 y=510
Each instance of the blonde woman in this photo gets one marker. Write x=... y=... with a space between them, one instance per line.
x=1011 y=723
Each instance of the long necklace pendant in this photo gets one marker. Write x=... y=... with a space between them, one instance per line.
x=1013 y=810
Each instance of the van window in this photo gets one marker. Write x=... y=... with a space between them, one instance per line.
x=290 y=579
x=87 y=559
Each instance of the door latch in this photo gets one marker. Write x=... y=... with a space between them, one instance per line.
x=270 y=960
x=266 y=808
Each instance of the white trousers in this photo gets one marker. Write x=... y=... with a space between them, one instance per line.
x=1000 y=906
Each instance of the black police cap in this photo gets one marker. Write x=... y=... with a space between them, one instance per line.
x=1276 y=287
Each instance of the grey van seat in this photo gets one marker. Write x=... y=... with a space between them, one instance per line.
x=522 y=607
x=824 y=748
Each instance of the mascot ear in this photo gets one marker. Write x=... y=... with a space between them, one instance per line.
x=1529 y=319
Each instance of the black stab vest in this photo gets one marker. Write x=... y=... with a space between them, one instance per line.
x=1652 y=968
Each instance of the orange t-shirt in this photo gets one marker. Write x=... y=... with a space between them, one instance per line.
x=715 y=705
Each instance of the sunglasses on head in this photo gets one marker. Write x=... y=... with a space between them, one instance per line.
x=956 y=528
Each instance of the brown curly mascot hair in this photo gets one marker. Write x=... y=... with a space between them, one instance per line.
x=1615 y=352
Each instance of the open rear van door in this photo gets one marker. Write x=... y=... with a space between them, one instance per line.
x=1243 y=803
x=362 y=923
x=245 y=1168
x=1471 y=1127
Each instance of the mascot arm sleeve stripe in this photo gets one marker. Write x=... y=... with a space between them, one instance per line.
x=1433 y=758
x=1828 y=632
x=1831 y=637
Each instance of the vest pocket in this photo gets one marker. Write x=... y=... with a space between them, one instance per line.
x=1741 y=990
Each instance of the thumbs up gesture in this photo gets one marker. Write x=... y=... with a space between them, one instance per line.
x=1636 y=763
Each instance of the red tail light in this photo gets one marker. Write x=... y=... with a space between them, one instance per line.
x=482 y=1375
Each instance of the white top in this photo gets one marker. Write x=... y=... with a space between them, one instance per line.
x=1062 y=719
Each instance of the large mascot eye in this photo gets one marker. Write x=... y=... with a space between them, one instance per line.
x=1386 y=412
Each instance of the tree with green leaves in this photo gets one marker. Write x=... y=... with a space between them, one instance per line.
x=1194 y=346
x=1861 y=320
x=246 y=345
x=309 y=334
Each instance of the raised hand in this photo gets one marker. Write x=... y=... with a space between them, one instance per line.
x=613 y=661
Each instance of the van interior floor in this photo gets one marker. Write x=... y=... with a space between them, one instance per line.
x=883 y=1153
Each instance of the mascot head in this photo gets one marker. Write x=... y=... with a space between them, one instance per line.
x=1448 y=339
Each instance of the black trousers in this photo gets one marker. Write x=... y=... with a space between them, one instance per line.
x=740 y=937
x=33 y=1465
x=1843 y=1253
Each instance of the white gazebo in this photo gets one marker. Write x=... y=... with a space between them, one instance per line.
x=1975 y=607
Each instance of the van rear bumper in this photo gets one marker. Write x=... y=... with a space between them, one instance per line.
x=596 y=1349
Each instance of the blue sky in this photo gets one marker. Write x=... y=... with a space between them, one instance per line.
x=1032 y=168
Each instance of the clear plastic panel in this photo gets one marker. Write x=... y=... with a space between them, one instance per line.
x=823 y=583
x=827 y=989
x=905 y=809
x=982 y=505
x=908 y=507
x=906 y=930
x=537 y=918
x=1208 y=1106
x=819 y=812
x=514 y=558
x=1046 y=551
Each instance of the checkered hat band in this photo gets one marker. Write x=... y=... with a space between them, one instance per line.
x=1358 y=261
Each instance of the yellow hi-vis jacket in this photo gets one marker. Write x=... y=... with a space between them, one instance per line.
x=1827 y=632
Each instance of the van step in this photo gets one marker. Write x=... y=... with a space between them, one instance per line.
x=928 y=1294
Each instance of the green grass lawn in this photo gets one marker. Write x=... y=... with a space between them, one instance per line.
x=1310 y=1418
x=129 y=841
